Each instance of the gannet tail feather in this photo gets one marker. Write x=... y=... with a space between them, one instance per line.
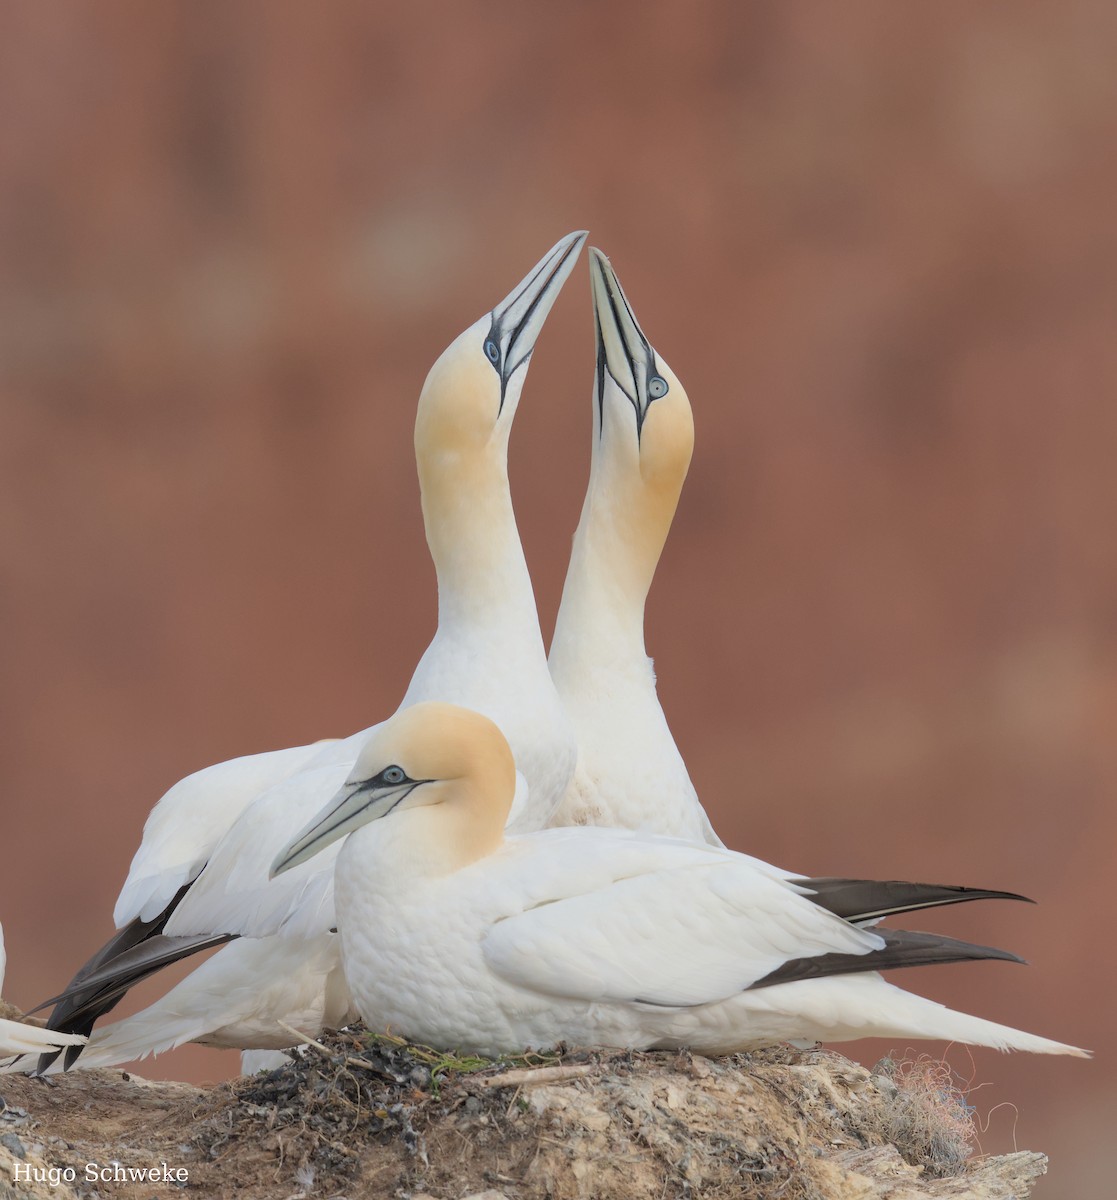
x=152 y=1031
x=856 y=1006
x=902 y=948
x=865 y=900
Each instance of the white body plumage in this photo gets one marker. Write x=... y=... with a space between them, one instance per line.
x=455 y=935
x=605 y=937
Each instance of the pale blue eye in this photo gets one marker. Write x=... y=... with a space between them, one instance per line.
x=492 y=352
x=394 y=775
x=657 y=386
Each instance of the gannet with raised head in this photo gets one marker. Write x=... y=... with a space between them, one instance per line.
x=458 y=936
x=487 y=652
x=16 y=1037
x=630 y=774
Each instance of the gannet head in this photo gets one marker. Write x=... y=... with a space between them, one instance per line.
x=471 y=393
x=642 y=417
x=428 y=754
x=642 y=443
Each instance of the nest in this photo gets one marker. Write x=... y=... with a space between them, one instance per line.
x=373 y=1115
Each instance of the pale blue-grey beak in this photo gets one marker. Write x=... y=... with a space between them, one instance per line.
x=624 y=354
x=357 y=803
x=519 y=317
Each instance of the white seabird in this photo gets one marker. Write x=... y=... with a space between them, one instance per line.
x=193 y=883
x=630 y=774
x=460 y=937
x=19 y=1038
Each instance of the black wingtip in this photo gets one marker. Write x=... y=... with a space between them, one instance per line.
x=902 y=948
x=101 y=982
x=99 y=991
x=45 y=1061
x=862 y=900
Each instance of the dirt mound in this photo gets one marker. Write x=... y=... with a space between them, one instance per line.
x=364 y=1116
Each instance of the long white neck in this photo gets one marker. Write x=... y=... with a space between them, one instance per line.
x=483 y=580
x=487 y=653
x=600 y=626
x=630 y=773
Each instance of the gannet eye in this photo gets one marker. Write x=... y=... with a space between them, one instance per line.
x=393 y=775
x=657 y=386
x=492 y=351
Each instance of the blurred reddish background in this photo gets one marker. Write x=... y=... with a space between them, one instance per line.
x=876 y=241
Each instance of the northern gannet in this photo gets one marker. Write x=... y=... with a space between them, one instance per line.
x=462 y=938
x=630 y=774
x=193 y=884
x=19 y=1038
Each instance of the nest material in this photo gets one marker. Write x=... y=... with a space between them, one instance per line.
x=374 y=1116
x=362 y=1116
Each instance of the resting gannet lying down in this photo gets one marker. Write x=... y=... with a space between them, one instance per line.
x=18 y=1038
x=462 y=938
x=192 y=884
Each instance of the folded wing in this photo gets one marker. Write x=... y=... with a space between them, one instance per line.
x=679 y=935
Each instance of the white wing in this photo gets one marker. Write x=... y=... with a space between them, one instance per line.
x=693 y=926
x=191 y=818
x=234 y=894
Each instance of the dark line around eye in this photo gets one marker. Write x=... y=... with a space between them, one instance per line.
x=494 y=337
x=655 y=374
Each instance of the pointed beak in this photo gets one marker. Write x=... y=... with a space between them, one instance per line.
x=355 y=804
x=518 y=319
x=623 y=352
